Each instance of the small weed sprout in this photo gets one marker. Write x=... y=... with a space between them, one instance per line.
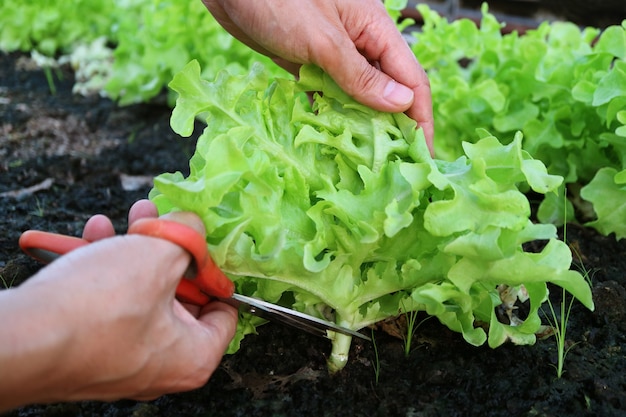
x=6 y=282
x=411 y=328
x=39 y=210
x=50 y=79
x=558 y=323
x=50 y=68
x=376 y=359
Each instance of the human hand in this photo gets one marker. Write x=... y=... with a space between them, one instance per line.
x=354 y=41
x=102 y=322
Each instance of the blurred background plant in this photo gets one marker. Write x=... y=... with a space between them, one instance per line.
x=127 y=50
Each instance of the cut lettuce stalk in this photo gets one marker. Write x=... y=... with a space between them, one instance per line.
x=339 y=210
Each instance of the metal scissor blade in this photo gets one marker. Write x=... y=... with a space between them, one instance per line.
x=291 y=317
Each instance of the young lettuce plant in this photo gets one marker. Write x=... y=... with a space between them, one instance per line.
x=339 y=210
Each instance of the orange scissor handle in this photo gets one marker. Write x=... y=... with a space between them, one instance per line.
x=209 y=280
x=46 y=246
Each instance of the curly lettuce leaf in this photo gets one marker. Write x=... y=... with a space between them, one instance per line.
x=607 y=193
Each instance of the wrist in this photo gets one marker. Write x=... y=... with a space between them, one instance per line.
x=34 y=345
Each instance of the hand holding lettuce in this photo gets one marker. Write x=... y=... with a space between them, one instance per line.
x=338 y=210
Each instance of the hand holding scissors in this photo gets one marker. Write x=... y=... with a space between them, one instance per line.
x=203 y=280
x=102 y=322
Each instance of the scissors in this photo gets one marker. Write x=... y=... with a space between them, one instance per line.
x=202 y=282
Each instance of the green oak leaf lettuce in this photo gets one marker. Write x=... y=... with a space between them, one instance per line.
x=339 y=210
x=562 y=86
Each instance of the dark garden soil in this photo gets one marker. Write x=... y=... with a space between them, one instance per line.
x=65 y=157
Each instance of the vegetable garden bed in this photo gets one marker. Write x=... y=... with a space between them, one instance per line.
x=65 y=157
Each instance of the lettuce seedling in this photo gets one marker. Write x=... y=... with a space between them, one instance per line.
x=338 y=210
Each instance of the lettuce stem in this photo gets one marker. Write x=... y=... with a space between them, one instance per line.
x=339 y=353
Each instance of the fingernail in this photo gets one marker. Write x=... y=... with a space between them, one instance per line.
x=398 y=94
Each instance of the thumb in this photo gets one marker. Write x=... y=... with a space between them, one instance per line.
x=369 y=85
x=187 y=218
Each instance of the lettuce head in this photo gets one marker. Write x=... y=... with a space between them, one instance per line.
x=335 y=209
